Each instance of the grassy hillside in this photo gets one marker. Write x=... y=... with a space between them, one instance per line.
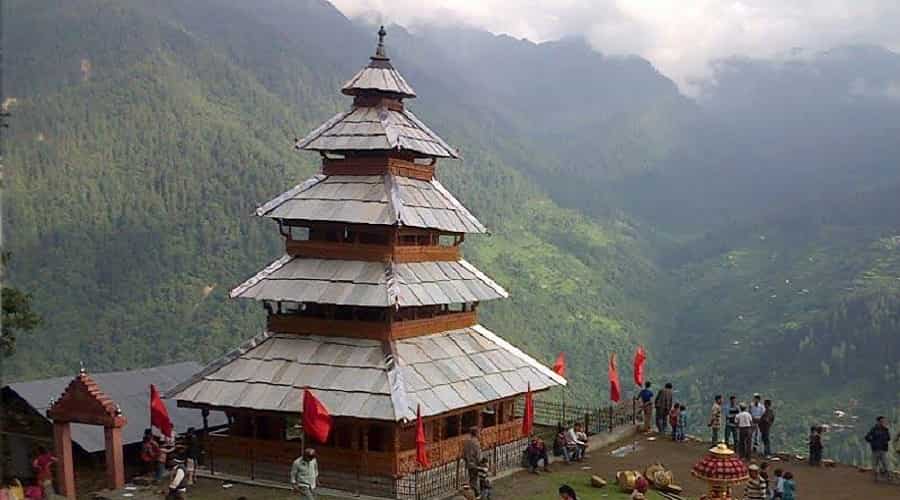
x=133 y=169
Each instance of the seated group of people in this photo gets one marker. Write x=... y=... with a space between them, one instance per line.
x=571 y=444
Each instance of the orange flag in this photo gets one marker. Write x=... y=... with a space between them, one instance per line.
x=528 y=416
x=316 y=419
x=560 y=365
x=615 y=392
x=421 y=452
x=159 y=415
x=639 y=357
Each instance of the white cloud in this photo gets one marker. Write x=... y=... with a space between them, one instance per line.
x=680 y=37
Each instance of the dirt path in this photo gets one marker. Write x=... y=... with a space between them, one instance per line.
x=839 y=483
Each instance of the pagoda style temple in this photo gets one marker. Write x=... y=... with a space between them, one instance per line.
x=372 y=308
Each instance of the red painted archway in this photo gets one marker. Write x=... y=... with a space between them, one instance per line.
x=83 y=402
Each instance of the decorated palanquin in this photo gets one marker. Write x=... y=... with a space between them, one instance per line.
x=373 y=309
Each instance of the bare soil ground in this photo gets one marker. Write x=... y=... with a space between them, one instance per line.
x=838 y=483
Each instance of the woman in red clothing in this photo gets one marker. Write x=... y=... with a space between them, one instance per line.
x=41 y=465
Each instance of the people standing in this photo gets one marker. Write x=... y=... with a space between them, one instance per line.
x=305 y=474
x=715 y=418
x=178 y=483
x=788 y=487
x=778 y=489
x=745 y=429
x=192 y=454
x=755 y=489
x=815 y=446
x=663 y=404
x=645 y=397
x=472 y=457
x=731 y=412
x=765 y=427
x=764 y=477
x=484 y=483
x=41 y=465
x=673 y=420
x=682 y=423
x=879 y=439
x=756 y=411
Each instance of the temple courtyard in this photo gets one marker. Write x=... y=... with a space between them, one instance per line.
x=837 y=483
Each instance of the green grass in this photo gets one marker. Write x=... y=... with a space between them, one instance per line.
x=545 y=486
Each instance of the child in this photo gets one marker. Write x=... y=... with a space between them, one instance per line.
x=682 y=423
x=778 y=491
x=788 y=486
x=484 y=484
x=641 y=485
x=815 y=446
x=673 y=420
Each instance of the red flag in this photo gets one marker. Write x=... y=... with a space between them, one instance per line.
x=316 y=419
x=528 y=417
x=639 y=357
x=560 y=365
x=159 y=415
x=615 y=392
x=421 y=452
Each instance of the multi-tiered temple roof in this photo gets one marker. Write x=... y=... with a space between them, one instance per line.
x=372 y=307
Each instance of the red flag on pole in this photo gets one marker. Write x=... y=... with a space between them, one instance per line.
x=639 y=357
x=560 y=365
x=159 y=415
x=615 y=392
x=316 y=419
x=528 y=416
x=421 y=452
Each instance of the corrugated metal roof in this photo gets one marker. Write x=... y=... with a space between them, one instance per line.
x=374 y=199
x=376 y=128
x=131 y=391
x=442 y=372
x=378 y=77
x=362 y=283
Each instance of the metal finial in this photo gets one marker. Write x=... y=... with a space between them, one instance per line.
x=81 y=370
x=118 y=411
x=379 y=50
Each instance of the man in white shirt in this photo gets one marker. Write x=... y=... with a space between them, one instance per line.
x=756 y=411
x=745 y=429
x=575 y=446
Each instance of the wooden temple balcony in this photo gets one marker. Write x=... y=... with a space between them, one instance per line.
x=370 y=252
x=450 y=449
x=383 y=330
x=377 y=165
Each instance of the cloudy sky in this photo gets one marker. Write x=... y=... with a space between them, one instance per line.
x=679 y=36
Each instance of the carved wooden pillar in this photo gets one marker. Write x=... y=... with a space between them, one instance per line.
x=65 y=468
x=115 y=463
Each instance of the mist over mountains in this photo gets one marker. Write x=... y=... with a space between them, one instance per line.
x=749 y=236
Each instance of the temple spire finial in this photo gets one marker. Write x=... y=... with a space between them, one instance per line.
x=379 y=50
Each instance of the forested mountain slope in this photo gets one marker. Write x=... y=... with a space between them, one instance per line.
x=135 y=163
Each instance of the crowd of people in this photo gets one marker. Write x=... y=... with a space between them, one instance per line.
x=171 y=460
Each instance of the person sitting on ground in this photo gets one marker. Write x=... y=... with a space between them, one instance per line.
x=484 y=482
x=788 y=486
x=755 y=490
x=178 y=483
x=559 y=444
x=778 y=489
x=641 y=486
x=567 y=493
x=673 y=420
x=536 y=452
x=574 y=447
x=815 y=446
x=583 y=437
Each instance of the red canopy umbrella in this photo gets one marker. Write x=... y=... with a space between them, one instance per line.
x=721 y=469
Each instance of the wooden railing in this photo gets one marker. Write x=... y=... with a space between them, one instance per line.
x=372 y=253
x=448 y=450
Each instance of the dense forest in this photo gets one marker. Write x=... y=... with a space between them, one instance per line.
x=749 y=237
